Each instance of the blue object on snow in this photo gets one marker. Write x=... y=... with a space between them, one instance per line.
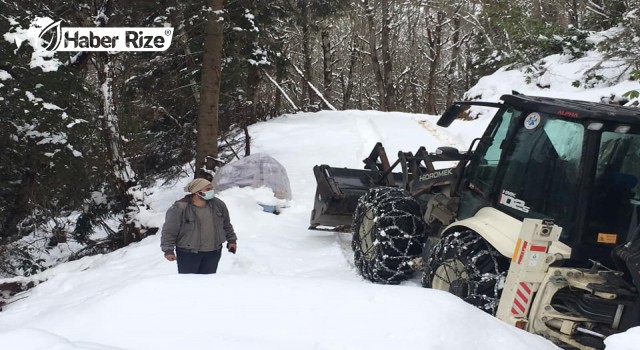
x=270 y=208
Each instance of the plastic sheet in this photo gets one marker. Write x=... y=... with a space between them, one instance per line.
x=256 y=170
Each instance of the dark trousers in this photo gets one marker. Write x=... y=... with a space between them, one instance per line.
x=201 y=262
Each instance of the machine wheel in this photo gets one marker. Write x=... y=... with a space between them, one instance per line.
x=388 y=232
x=465 y=264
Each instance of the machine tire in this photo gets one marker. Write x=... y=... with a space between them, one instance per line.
x=388 y=232
x=465 y=264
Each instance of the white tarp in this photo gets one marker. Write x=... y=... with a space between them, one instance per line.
x=256 y=170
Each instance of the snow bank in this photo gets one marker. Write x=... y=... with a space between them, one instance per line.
x=628 y=340
x=588 y=78
x=268 y=312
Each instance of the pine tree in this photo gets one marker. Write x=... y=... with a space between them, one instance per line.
x=47 y=163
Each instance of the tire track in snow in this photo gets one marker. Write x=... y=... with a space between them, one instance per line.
x=344 y=242
x=367 y=133
x=438 y=134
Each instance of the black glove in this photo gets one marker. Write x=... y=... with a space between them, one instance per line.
x=231 y=247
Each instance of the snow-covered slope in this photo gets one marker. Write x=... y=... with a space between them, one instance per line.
x=558 y=76
x=591 y=77
x=287 y=288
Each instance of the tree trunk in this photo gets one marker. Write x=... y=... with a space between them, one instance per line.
x=353 y=57
x=434 y=39
x=374 y=54
x=207 y=140
x=251 y=112
x=452 y=73
x=327 y=61
x=469 y=77
x=123 y=175
x=389 y=91
x=573 y=10
x=306 y=50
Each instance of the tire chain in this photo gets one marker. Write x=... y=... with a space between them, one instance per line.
x=492 y=263
x=399 y=244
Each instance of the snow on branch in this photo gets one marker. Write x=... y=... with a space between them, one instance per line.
x=40 y=58
x=314 y=89
x=295 y=108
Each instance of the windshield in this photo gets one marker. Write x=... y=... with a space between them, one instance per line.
x=542 y=170
x=619 y=160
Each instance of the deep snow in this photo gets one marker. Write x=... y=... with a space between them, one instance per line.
x=287 y=288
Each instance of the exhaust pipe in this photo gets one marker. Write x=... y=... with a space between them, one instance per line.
x=570 y=327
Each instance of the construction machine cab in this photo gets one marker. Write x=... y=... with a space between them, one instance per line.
x=576 y=162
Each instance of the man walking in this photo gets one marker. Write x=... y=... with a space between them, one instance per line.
x=196 y=226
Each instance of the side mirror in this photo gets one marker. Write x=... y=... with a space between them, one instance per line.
x=448 y=152
x=452 y=113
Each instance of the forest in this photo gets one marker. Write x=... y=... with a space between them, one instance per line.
x=88 y=132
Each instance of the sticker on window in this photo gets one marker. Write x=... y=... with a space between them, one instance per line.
x=508 y=199
x=532 y=121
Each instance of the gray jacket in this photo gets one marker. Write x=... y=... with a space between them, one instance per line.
x=181 y=226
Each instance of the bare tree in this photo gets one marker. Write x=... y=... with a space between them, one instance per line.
x=347 y=78
x=434 y=42
x=452 y=70
x=306 y=49
x=373 y=48
x=327 y=59
x=387 y=63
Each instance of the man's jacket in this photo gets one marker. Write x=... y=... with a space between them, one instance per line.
x=181 y=228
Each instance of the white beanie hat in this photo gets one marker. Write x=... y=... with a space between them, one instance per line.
x=196 y=185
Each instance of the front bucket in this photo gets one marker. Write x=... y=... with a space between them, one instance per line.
x=337 y=194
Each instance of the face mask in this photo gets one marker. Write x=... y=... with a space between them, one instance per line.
x=207 y=195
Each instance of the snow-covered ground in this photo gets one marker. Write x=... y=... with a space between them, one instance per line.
x=286 y=288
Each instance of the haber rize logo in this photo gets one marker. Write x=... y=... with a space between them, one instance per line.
x=58 y=38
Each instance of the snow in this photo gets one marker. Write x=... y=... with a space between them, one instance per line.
x=40 y=58
x=624 y=341
x=74 y=122
x=286 y=288
x=555 y=76
x=37 y=100
x=4 y=75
